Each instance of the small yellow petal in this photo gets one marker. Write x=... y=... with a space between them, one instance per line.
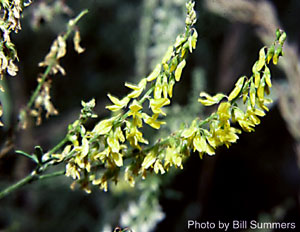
x=179 y=69
x=155 y=73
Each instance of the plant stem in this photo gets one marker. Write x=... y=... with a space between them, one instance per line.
x=70 y=28
x=59 y=145
x=33 y=176
x=38 y=88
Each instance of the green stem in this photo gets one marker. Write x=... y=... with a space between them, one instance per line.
x=70 y=28
x=59 y=145
x=73 y=22
x=38 y=88
x=33 y=176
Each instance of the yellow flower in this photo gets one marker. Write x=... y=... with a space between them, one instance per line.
x=73 y=171
x=158 y=167
x=76 y=41
x=238 y=87
x=134 y=136
x=118 y=158
x=113 y=143
x=157 y=104
x=209 y=101
x=152 y=121
x=155 y=73
x=158 y=88
x=165 y=86
x=170 y=87
x=200 y=144
x=224 y=135
x=135 y=108
x=137 y=90
x=172 y=157
x=179 y=69
x=224 y=111
x=149 y=160
x=118 y=104
x=168 y=55
x=104 y=126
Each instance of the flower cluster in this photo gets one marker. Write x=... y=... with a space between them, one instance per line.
x=41 y=99
x=99 y=155
x=11 y=12
x=116 y=146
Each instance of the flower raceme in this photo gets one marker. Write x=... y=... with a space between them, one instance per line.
x=116 y=146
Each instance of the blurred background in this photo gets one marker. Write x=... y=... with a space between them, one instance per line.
x=256 y=179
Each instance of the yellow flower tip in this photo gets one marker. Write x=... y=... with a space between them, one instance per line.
x=155 y=73
x=210 y=100
x=238 y=87
x=157 y=104
x=224 y=111
x=149 y=160
x=135 y=107
x=179 y=69
x=118 y=159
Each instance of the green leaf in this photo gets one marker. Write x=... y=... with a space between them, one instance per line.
x=32 y=157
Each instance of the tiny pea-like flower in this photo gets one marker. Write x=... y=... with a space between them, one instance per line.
x=246 y=125
x=102 y=182
x=252 y=114
x=252 y=94
x=118 y=158
x=174 y=63
x=261 y=60
x=119 y=134
x=168 y=55
x=224 y=111
x=165 y=86
x=256 y=74
x=237 y=89
x=172 y=157
x=267 y=76
x=158 y=167
x=200 y=144
x=157 y=104
x=113 y=143
x=137 y=89
x=261 y=90
x=149 y=159
x=179 y=69
x=135 y=108
x=104 y=126
x=210 y=100
x=152 y=121
x=170 y=87
x=154 y=73
x=158 y=88
x=73 y=171
x=76 y=41
x=134 y=136
x=118 y=104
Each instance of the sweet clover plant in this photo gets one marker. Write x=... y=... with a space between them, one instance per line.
x=115 y=148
